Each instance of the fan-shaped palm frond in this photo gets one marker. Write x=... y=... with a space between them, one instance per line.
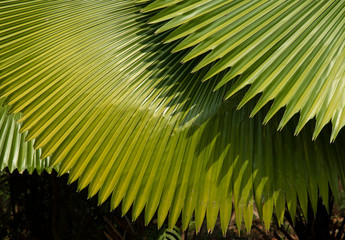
x=15 y=152
x=290 y=51
x=104 y=98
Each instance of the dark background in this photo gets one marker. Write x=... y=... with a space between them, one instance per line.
x=45 y=206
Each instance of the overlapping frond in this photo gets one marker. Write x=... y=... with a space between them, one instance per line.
x=290 y=51
x=104 y=98
x=15 y=152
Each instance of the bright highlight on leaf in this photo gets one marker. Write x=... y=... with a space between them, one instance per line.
x=102 y=96
x=293 y=52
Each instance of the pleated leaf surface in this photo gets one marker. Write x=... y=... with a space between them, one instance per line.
x=15 y=152
x=292 y=52
x=104 y=98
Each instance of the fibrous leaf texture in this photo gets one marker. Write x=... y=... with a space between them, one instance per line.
x=104 y=98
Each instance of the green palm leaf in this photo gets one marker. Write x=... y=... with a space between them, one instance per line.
x=290 y=51
x=104 y=98
x=15 y=152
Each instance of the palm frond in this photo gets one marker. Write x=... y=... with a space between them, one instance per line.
x=293 y=52
x=15 y=152
x=104 y=98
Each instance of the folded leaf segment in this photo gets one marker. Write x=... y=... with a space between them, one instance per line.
x=15 y=152
x=292 y=52
x=103 y=97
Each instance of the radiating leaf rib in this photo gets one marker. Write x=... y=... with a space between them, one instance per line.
x=259 y=41
x=114 y=171
x=156 y=194
x=160 y=4
x=192 y=190
x=245 y=22
x=226 y=193
x=176 y=10
x=317 y=79
x=269 y=66
x=237 y=15
x=171 y=184
x=279 y=185
x=212 y=204
x=181 y=193
x=105 y=99
x=146 y=186
x=297 y=78
x=15 y=153
x=194 y=13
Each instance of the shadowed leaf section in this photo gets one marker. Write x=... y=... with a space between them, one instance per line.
x=290 y=51
x=104 y=98
x=15 y=152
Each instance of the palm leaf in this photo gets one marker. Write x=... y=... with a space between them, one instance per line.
x=104 y=98
x=15 y=152
x=290 y=51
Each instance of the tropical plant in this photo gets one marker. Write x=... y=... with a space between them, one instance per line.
x=15 y=152
x=102 y=96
